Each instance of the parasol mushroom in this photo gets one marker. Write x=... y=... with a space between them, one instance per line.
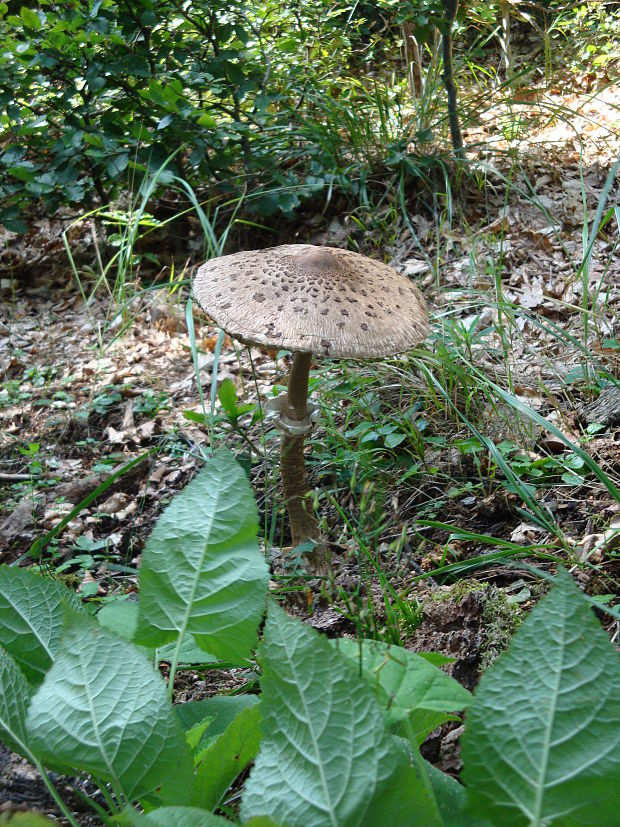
x=310 y=300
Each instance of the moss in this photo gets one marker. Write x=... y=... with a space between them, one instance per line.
x=500 y=619
x=458 y=591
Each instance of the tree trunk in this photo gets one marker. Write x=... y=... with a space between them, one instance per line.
x=451 y=8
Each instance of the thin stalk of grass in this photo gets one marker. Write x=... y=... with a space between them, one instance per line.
x=94 y=805
x=588 y=239
x=51 y=788
x=189 y=320
x=405 y=214
x=499 y=290
x=463 y=567
x=122 y=258
x=217 y=352
x=529 y=412
x=386 y=586
x=270 y=526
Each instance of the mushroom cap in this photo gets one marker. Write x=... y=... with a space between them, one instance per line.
x=311 y=299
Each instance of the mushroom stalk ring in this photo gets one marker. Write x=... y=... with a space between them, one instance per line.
x=275 y=410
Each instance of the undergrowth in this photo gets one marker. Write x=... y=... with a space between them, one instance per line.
x=334 y=735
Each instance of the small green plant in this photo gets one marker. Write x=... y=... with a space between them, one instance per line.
x=335 y=739
x=231 y=412
x=35 y=463
x=150 y=403
x=108 y=399
x=12 y=393
x=39 y=376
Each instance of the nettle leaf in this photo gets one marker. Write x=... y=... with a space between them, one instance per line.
x=202 y=570
x=14 y=699
x=32 y=610
x=326 y=757
x=542 y=744
x=104 y=710
x=407 y=685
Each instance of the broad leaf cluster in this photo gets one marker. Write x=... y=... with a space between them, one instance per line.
x=334 y=735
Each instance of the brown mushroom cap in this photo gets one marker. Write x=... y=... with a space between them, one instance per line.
x=314 y=300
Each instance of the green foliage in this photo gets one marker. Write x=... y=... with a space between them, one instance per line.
x=551 y=747
x=13 y=704
x=93 y=97
x=227 y=756
x=24 y=820
x=209 y=534
x=102 y=709
x=325 y=756
x=335 y=735
x=408 y=686
x=165 y=816
x=33 y=611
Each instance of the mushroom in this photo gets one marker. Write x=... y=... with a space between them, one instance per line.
x=310 y=300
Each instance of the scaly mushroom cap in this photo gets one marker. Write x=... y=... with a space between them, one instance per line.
x=314 y=300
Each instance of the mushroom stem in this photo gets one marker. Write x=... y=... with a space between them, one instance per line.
x=297 y=395
x=304 y=525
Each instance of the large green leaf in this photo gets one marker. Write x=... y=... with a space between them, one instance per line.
x=407 y=685
x=172 y=817
x=121 y=617
x=326 y=757
x=202 y=571
x=14 y=699
x=542 y=744
x=229 y=754
x=25 y=820
x=451 y=798
x=32 y=609
x=103 y=709
x=220 y=711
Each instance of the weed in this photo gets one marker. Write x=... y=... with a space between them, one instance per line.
x=109 y=398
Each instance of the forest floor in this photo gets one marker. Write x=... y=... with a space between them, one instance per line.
x=85 y=388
